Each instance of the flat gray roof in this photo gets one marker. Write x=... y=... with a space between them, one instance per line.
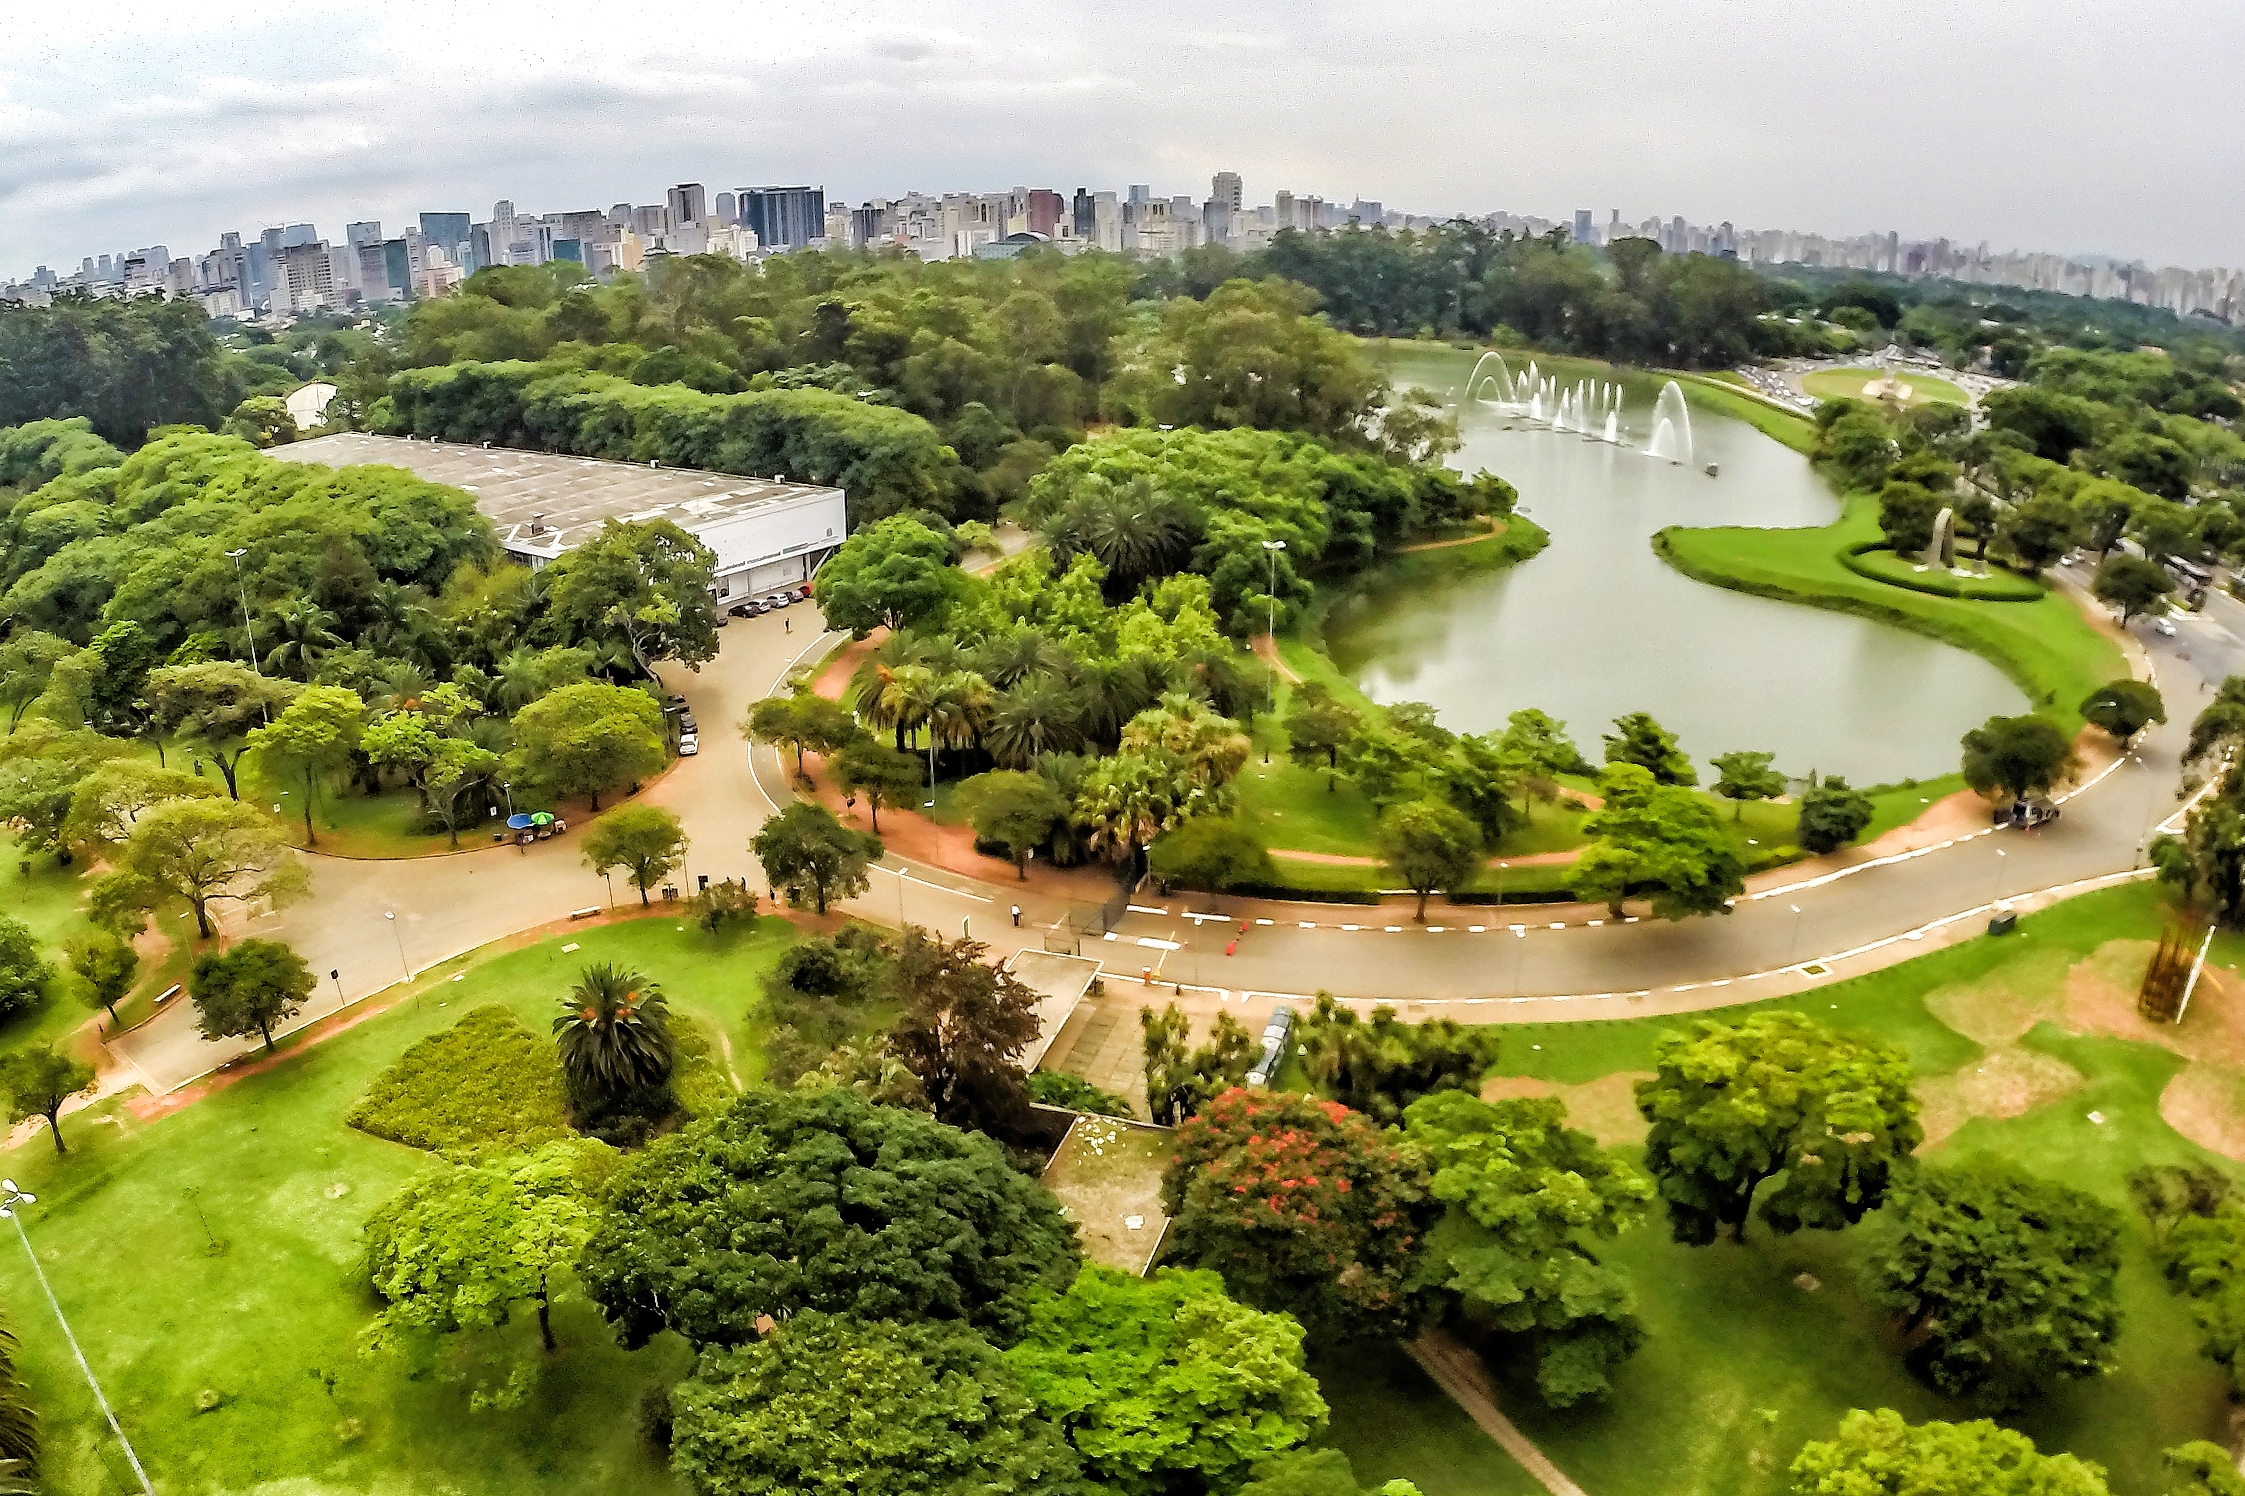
x=573 y=495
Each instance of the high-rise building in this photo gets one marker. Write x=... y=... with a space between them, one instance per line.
x=784 y=217
x=1226 y=188
x=1086 y=217
x=728 y=208
x=361 y=234
x=687 y=204
x=299 y=233
x=450 y=233
x=1044 y=209
x=304 y=279
x=1584 y=233
x=651 y=223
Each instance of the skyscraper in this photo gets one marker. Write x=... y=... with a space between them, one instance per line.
x=1226 y=189
x=1584 y=233
x=1044 y=209
x=728 y=208
x=687 y=204
x=784 y=217
x=449 y=232
x=1086 y=216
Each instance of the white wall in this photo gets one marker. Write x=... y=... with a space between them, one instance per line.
x=813 y=523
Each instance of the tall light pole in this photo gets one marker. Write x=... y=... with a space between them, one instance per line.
x=1519 y=955
x=1999 y=877
x=1271 y=548
x=241 y=590
x=11 y=1202
x=400 y=934
x=1793 y=947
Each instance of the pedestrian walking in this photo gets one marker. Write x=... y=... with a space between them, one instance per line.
x=1017 y=916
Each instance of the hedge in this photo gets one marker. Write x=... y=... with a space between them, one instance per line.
x=1997 y=587
x=885 y=459
x=487 y=1085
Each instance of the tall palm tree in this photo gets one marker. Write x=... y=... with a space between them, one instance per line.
x=403 y=684
x=1006 y=660
x=1211 y=749
x=1135 y=530
x=1113 y=693
x=1038 y=716
x=905 y=696
x=957 y=714
x=614 y=1033
x=306 y=631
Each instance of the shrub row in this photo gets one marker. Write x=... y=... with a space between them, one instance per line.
x=487 y=1085
x=885 y=459
x=1998 y=587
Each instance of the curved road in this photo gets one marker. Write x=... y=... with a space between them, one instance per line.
x=1562 y=961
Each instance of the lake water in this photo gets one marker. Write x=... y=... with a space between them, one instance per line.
x=1597 y=625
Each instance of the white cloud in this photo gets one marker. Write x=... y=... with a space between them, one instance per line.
x=2042 y=124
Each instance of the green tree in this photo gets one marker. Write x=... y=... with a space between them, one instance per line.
x=1302 y=1205
x=613 y=1036
x=1319 y=726
x=105 y=965
x=458 y=1249
x=885 y=777
x=1315 y=1472
x=1746 y=776
x=1018 y=811
x=24 y=972
x=2018 y=757
x=1429 y=845
x=113 y=796
x=2040 y=530
x=2204 y=1259
x=202 y=852
x=829 y=1404
x=248 y=989
x=455 y=767
x=735 y=1216
x=804 y=721
x=27 y=665
x=1539 y=749
x=2202 y=1468
x=1877 y=1454
x=2004 y=1283
x=807 y=853
x=1907 y=514
x=1215 y=853
x=37 y=1082
x=312 y=738
x=1735 y=1105
x=1380 y=1066
x=1164 y=1379
x=646 y=841
x=896 y=574
x=1180 y=1081
x=963 y=1030
x=1638 y=739
x=1526 y=1198
x=644 y=584
x=2219 y=726
x=215 y=706
x=582 y=739
x=2132 y=586
x=2124 y=707
x=19 y=1419
x=1659 y=840
x=1833 y=814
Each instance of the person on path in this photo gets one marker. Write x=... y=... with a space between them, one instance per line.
x=1017 y=916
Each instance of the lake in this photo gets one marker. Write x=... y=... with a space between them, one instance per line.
x=1597 y=625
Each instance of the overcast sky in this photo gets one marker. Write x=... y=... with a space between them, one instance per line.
x=2043 y=124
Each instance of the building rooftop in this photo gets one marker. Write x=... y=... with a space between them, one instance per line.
x=543 y=502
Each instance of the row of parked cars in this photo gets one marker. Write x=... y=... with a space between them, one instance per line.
x=771 y=602
x=689 y=730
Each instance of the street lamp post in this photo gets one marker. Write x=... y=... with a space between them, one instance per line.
x=400 y=934
x=1503 y=870
x=241 y=590
x=12 y=1201
x=1271 y=548
x=1793 y=947
x=1519 y=955
x=1998 y=899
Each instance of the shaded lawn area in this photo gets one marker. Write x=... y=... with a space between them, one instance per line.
x=1742 y=1366
x=2047 y=648
x=285 y=1186
x=1393 y=1422
x=49 y=901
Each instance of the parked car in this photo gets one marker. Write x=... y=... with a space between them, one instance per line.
x=740 y=610
x=2025 y=813
x=1276 y=1032
x=780 y=599
x=689 y=745
x=687 y=725
x=673 y=702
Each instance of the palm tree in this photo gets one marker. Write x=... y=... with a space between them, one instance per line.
x=957 y=714
x=1113 y=693
x=19 y=1421
x=1037 y=716
x=902 y=701
x=1210 y=748
x=403 y=684
x=1128 y=800
x=614 y=1033
x=306 y=632
x=1006 y=660
x=1136 y=532
x=518 y=679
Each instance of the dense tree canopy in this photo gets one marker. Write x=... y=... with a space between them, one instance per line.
x=1878 y=1454
x=1736 y=1105
x=124 y=366
x=787 y=1202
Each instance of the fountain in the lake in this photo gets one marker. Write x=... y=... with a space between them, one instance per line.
x=1672 y=426
x=1613 y=427
x=1477 y=382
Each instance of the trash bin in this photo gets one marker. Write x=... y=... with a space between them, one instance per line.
x=2003 y=923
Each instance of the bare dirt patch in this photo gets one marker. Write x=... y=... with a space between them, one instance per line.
x=2003 y=1005
x=2206 y=1103
x=1606 y=1108
x=2005 y=1082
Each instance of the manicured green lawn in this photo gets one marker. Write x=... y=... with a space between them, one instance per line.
x=285 y=1187
x=1743 y=1365
x=1847 y=384
x=2046 y=647
x=1394 y=1422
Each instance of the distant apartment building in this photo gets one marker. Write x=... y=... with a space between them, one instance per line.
x=1043 y=212
x=784 y=217
x=304 y=279
x=686 y=204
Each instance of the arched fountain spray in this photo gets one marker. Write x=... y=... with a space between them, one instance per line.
x=1672 y=426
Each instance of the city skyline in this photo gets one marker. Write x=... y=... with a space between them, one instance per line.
x=123 y=133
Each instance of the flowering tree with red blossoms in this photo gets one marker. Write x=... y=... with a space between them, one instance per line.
x=1302 y=1205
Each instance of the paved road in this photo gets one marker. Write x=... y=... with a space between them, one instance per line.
x=446 y=906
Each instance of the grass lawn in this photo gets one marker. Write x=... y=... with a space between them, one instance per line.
x=2047 y=648
x=1394 y=1422
x=1847 y=384
x=1742 y=1365
x=285 y=1186
x=50 y=902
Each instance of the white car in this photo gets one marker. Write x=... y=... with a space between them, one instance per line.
x=689 y=744
x=2165 y=626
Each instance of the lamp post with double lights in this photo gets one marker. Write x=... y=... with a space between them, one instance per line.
x=241 y=590
x=12 y=1201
